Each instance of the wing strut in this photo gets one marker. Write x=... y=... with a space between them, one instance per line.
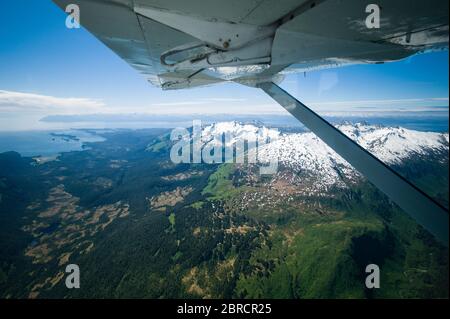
x=427 y=212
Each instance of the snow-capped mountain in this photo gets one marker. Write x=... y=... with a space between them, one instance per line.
x=236 y=132
x=394 y=144
x=306 y=155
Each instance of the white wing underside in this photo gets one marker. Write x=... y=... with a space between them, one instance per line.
x=186 y=43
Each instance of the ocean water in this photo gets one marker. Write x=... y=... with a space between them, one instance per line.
x=431 y=123
x=438 y=124
x=46 y=143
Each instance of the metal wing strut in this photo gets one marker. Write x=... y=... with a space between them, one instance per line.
x=427 y=212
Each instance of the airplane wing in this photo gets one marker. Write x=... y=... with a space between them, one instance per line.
x=179 y=44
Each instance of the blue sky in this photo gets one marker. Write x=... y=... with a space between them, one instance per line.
x=69 y=71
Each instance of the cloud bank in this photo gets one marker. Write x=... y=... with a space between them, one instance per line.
x=19 y=102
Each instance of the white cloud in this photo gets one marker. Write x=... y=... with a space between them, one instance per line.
x=19 y=102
